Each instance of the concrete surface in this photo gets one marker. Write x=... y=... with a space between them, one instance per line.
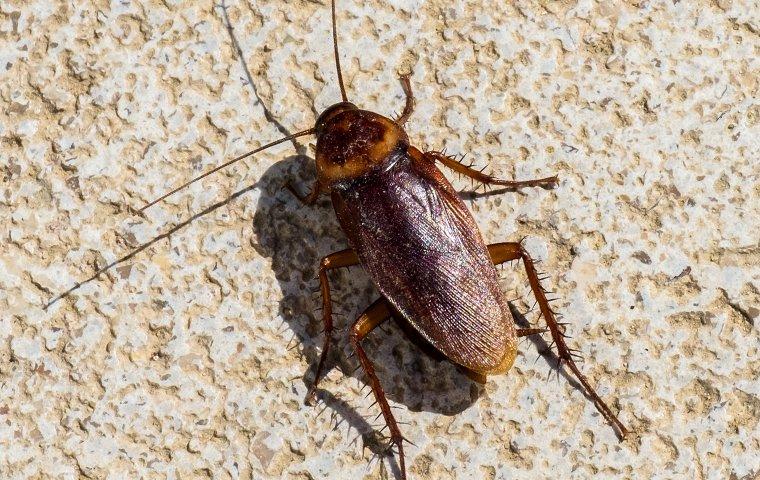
x=191 y=359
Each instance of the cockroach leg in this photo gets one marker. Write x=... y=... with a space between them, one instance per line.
x=478 y=176
x=406 y=84
x=504 y=252
x=524 y=332
x=373 y=316
x=309 y=199
x=344 y=258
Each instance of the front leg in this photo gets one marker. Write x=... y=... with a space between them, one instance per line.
x=406 y=84
x=478 y=176
x=344 y=258
x=309 y=199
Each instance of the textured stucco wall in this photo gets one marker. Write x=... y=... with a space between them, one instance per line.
x=188 y=360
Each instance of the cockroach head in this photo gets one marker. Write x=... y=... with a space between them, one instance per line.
x=331 y=112
x=353 y=142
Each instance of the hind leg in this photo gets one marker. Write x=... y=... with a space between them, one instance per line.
x=504 y=252
x=344 y=258
x=373 y=316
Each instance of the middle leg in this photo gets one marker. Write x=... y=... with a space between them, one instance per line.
x=344 y=258
x=504 y=252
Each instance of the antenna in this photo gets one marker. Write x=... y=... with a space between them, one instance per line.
x=227 y=164
x=337 y=55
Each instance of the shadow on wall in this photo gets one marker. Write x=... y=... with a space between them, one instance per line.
x=296 y=237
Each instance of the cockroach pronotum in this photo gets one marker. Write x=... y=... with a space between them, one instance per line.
x=414 y=236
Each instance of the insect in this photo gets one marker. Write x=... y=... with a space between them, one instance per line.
x=420 y=245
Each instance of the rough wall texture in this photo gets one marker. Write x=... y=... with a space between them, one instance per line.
x=191 y=359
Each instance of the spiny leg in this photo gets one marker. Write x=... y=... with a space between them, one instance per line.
x=344 y=258
x=478 y=176
x=406 y=84
x=525 y=332
x=373 y=316
x=504 y=252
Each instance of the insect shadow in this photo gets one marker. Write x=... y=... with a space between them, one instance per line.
x=295 y=238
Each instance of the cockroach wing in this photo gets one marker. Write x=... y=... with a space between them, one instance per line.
x=422 y=248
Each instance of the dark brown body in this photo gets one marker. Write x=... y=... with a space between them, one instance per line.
x=422 y=248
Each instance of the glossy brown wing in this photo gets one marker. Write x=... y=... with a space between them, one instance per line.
x=422 y=248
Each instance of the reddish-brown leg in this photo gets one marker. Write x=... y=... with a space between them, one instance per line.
x=524 y=332
x=344 y=258
x=373 y=316
x=406 y=84
x=478 y=176
x=309 y=199
x=504 y=252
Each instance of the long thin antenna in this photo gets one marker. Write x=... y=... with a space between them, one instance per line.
x=337 y=55
x=227 y=164
x=144 y=246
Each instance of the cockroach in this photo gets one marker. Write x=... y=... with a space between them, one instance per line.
x=414 y=236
